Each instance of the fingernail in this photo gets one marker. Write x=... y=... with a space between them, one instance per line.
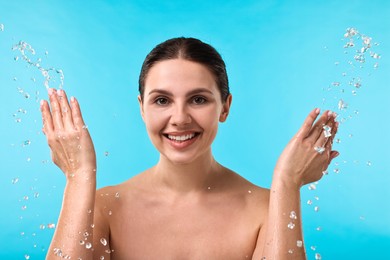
x=317 y=111
x=337 y=124
x=59 y=92
x=50 y=91
x=72 y=99
x=42 y=102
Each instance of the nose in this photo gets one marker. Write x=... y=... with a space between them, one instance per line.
x=180 y=115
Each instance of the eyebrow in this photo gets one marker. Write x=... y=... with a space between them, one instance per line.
x=192 y=92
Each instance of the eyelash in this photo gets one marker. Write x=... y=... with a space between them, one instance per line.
x=164 y=99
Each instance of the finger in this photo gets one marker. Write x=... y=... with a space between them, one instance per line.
x=65 y=109
x=325 y=130
x=47 y=120
x=317 y=129
x=335 y=127
x=55 y=110
x=76 y=114
x=308 y=123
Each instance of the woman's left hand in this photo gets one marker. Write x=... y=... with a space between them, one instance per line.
x=303 y=160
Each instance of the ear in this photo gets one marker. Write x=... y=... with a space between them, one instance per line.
x=141 y=107
x=225 y=109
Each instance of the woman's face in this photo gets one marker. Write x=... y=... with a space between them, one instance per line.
x=181 y=109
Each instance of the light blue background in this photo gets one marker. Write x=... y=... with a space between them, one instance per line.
x=280 y=55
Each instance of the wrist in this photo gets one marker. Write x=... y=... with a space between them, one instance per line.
x=86 y=174
x=286 y=181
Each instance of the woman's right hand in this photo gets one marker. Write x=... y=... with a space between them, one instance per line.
x=71 y=145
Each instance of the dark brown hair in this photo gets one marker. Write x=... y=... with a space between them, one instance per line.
x=188 y=49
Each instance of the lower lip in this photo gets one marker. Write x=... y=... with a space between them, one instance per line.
x=182 y=144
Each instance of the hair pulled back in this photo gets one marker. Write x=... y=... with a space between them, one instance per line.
x=190 y=49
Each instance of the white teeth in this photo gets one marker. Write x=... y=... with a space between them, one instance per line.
x=181 y=137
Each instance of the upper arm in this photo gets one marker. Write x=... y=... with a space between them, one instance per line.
x=101 y=230
x=261 y=237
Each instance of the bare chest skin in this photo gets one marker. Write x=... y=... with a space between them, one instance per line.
x=147 y=224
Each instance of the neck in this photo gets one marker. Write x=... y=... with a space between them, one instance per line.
x=195 y=176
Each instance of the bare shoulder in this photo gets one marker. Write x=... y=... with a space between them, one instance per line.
x=255 y=197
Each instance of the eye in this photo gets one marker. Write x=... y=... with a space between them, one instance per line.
x=162 y=101
x=199 y=100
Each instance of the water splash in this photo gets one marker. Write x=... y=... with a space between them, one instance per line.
x=26 y=50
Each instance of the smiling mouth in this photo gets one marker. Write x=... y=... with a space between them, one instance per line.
x=181 y=138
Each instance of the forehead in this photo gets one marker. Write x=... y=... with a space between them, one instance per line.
x=179 y=74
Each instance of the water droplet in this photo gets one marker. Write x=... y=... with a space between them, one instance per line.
x=336 y=84
x=26 y=257
x=290 y=251
x=316 y=198
x=327 y=131
x=85 y=127
x=293 y=215
x=316 y=208
x=318 y=256
x=249 y=191
x=312 y=186
x=309 y=202
x=1 y=27
x=319 y=149
x=18 y=120
x=117 y=195
x=24 y=207
x=103 y=241
x=209 y=188
x=299 y=243
x=42 y=227
x=108 y=251
x=85 y=234
x=291 y=225
x=25 y=197
x=313 y=248
x=375 y=55
x=368 y=163
x=15 y=180
x=57 y=252
x=376 y=65
x=350 y=32
x=110 y=213
x=336 y=170
x=88 y=245
x=102 y=258
x=51 y=225
x=27 y=142
x=81 y=242
x=319 y=228
x=16 y=58
x=325 y=172
x=106 y=153
x=342 y=105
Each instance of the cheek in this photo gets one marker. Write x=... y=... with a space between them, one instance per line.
x=154 y=121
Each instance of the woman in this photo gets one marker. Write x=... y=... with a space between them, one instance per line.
x=187 y=206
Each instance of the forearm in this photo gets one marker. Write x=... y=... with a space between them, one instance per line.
x=284 y=238
x=75 y=223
